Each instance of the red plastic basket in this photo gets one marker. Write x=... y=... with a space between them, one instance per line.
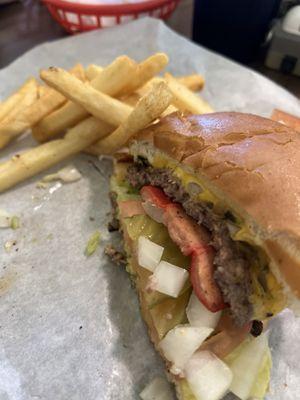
x=76 y=17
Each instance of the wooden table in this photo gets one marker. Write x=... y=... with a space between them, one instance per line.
x=28 y=23
x=23 y=25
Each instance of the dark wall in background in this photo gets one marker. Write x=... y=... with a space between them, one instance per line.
x=235 y=28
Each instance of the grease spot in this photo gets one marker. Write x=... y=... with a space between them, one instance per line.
x=6 y=282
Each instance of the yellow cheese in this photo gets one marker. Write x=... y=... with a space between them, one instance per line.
x=267 y=301
x=185 y=391
x=261 y=384
x=244 y=235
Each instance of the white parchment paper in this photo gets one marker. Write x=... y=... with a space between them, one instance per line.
x=70 y=326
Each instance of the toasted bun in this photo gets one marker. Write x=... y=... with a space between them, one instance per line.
x=253 y=165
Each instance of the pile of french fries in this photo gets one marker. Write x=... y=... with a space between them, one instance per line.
x=96 y=110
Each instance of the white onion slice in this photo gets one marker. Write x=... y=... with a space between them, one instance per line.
x=198 y=315
x=168 y=279
x=149 y=253
x=209 y=377
x=5 y=219
x=180 y=343
x=67 y=175
x=153 y=212
x=246 y=366
x=158 y=389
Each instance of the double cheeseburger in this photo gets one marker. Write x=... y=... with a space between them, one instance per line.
x=209 y=209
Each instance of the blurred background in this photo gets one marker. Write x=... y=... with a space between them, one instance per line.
x=262 y=34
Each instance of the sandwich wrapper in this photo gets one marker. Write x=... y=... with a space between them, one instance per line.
x=70 y=326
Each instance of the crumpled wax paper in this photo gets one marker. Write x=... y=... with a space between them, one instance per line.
x=70 y=327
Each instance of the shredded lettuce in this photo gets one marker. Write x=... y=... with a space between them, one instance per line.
x=92 y=244
x=185 y=391
x=261 y=385
x=15 y=222
x=262 y=381
x=124 y=190
x=9 y=221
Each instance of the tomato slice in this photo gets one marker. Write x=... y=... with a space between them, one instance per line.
x=155 y=196
x=193 y=240
x=184 y=231
x=203 y=282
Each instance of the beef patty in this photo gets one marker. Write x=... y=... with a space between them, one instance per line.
x=231 y=261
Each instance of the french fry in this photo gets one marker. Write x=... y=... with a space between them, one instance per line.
x=31 y=162
x=169 y=110
x=185 y=99
x=92 y=71
x=146 y=111
x=29 y=112
x=285 y=118
x=9 y=128
x=146 y=70
x=145 y=89
x=134 y=98
x=8 y=104
x=131 y=99
x=43 y=90
x=112 y=79
x=28 y=115
x=193 y=82
x=78 y=71
x=29 y=95
x=115 y=76
x=94 y=102
x=38 y=159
